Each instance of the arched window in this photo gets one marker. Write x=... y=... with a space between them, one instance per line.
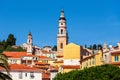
x=61 y=31
x=61 y=45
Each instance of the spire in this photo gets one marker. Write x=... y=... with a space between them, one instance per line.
x=62 y=13
x=62 y=17
x=30 y=34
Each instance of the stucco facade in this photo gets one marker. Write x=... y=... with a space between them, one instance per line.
x=71 y=54
x=92 y=60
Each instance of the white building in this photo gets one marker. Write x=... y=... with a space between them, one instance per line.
x=23 y=72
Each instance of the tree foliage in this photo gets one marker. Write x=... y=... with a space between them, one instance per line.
x=99 y=47
x=104 y=72
x=54 y=48
x=11 y=40
x=10 y=48
x=6 y=45
x=94 y=47
x=4 y=65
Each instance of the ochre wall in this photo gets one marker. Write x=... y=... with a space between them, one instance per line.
x=71 y=51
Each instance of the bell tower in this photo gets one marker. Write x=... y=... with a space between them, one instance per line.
x=62 y=36
x=29 y=43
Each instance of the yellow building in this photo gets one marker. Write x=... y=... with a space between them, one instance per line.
x=115 y=58
x=71 y=57
x=71 y=54
x=112 y=56
x=91 y=60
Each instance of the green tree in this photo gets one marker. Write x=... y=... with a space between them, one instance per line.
x=4 y=65
x=104 y=72
x=11 y=40
x=54 y=48
x=2 y=45
x=10 y=48
x=99 y=46
x=85 y=46
x=94 y=47
x=91 y=47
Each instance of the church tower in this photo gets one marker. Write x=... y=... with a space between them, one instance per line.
x=29 y=43
x=62 y=36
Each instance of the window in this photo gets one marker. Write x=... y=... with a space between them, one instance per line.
x=25 y=74
x=61 y=45
x=36 y=58
x=20 y=75
x=61 y=31
x=31 y=75
x=14 y=61
x=116 y=58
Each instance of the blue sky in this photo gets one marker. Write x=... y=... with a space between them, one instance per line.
x=88 y=21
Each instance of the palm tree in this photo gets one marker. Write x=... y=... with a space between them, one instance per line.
x=4 y=65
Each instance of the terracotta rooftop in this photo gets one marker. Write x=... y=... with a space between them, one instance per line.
x=21 y=67
x=71 y=66
x=115 y=63
x=115 y=52
x=41 y=67
x=59 y=56
x=58 y=61
x=41 y=63
x=30 y=55
x=15 y=54
x=18 y=54
x=44 y=57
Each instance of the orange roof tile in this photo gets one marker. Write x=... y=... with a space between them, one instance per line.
x=41 y=63
x=115 y=63
x=21 y=67
x=71 y=66
x=18 y=54
x=58 y=61
x=44 y=57
x=41 y=67
x=115 y=53
x=14 y=54
x=30 y=55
